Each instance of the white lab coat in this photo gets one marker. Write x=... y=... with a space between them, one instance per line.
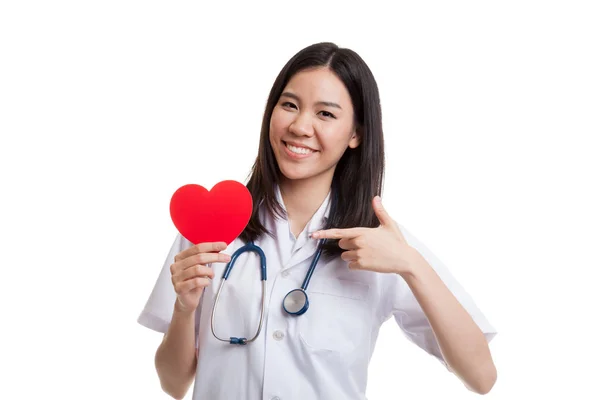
x=323 y=354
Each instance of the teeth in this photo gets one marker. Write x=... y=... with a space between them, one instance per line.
x=298 y=150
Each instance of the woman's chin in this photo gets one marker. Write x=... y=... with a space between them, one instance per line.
x=294 y=174
x=299 y=175
x=294 y=177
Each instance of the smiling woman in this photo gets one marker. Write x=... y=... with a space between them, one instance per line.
x=318 y=175
x=309 y=135
x=324 y=100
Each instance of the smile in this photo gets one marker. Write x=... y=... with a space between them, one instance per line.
x=297 y=150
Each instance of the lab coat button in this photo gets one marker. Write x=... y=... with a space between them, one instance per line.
x=275 y=398
x=278 y=335
x=285 y=274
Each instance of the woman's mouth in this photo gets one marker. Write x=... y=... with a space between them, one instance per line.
x=297 y=151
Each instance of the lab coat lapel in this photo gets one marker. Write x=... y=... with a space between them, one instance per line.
x=294 y=252
x=304 y=251
x=306 y=247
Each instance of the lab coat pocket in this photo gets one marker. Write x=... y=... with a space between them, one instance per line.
x=338 y=317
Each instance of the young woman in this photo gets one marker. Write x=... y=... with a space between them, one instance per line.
x=315 y=185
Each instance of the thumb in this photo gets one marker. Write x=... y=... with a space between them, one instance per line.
x=382 y=215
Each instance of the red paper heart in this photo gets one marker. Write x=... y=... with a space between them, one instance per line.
x=218 y=215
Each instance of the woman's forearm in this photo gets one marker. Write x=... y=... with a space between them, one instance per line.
x=463 y=345
x=176 y=356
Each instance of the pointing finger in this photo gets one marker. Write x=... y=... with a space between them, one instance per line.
x=338 y=233
x=382 y=214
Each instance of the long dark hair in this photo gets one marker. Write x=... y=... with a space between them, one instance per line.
x=358 y=176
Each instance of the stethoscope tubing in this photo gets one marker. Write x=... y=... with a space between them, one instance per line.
x=263 y=266
x=263 y=275
x=313 y=265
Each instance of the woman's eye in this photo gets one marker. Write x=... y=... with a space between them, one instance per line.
x=327 y=114
x=288 y=104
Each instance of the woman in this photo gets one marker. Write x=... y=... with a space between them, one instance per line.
x=318 y=175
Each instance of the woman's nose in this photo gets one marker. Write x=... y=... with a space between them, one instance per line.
x=302 y=125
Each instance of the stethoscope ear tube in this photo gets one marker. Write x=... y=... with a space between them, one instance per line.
x=263 y=266
x=248 y=247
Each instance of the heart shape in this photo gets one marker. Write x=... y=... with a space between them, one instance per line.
x=218 y=215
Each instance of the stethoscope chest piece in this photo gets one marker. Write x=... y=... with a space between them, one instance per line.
x=296 y=302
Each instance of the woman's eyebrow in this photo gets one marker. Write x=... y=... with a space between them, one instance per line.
x=324 y=103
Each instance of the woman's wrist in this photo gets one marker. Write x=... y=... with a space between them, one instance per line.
x=181 y=309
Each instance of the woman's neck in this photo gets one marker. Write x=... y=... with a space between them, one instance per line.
x=302 y=199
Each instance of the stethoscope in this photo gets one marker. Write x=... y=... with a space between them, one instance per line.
x=294 y=303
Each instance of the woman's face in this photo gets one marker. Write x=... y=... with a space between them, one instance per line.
x=312 y=125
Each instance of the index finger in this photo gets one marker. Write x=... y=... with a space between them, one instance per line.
x=338 y=233
x=208 y=247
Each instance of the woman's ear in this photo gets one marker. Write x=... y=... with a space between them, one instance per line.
x=356 y=137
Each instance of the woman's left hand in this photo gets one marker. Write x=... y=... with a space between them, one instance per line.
x=381 y=249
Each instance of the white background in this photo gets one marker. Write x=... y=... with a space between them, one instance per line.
x=491 y=118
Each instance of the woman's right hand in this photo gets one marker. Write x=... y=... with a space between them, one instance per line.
x=190 y=275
